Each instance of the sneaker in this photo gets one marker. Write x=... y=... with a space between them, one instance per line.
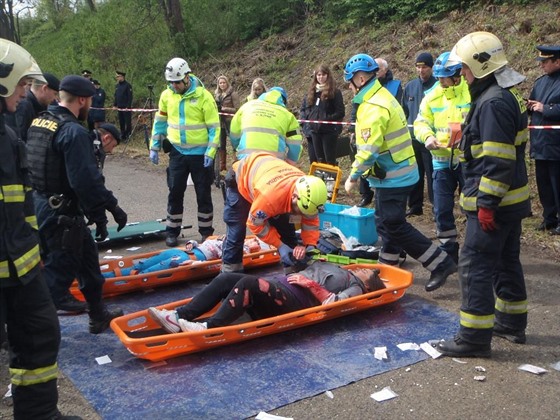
x=70 y=304
x=515 y=336
x=171 y=241
x=166 y=319
x=188 y=326
x=98 y=325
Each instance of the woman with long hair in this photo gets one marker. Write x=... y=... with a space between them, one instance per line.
x=228 y=102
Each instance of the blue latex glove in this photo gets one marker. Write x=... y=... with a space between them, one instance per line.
x=154 y=156
x=286 y=254
x=208 y=161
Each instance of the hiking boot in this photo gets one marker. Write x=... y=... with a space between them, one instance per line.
x=70 y=304
x=440 y=274
x=515 y=336
x=99 y=320
x=460 y=348
x=166 y=319
x=171 y=241
x=366 y=200
x=188 y=326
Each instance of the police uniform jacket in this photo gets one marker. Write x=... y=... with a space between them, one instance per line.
x=493 y=146
x=19 y=241
x=268 y=184
x=265 y=125
x=190 y=121
x=26 y=111
x=440 y=107
x=382 y=140
x=545 y=144
x=123 y=95
x=71 y=155
x=98 y=102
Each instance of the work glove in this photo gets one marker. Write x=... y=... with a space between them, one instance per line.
x=208 y=161
x=432 y=143
x=101 y=231
x=349 y=184
x=486 y=219
x=154 y=157
x=286 y=254
x=120 y=217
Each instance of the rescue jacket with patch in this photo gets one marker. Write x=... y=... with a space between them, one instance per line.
x=493 y=144
x=382 y=140
x=440 y=107
x=190 y=121
x=545 y=144
x=19 y=241
x=268 y=184
x=265 y=125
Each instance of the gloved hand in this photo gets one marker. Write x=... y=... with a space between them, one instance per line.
x=120 y=217
x=154 y=157
x=486 y=219
x=208 y=161
x=101 y=231
x=349 y=184
x=432 y=143
x=286 y=254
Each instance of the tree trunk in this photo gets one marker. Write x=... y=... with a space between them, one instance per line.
x=173 y=15
x=91 y=5
x=7 y=22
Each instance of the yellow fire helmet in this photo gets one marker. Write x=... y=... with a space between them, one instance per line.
x=312 y=194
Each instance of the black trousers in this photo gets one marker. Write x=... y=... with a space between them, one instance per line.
x=425 y=169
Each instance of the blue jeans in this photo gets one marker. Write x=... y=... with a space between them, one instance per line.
x=445 y=183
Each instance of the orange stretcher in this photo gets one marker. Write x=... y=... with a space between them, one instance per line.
x=198 y=270
x=147 y=340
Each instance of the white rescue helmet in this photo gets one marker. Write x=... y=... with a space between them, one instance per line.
x=176 y=70
x=15 y=64
x=483 y=52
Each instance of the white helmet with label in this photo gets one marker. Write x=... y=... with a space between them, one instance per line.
x=483 y=52
x=16 y=63
x=176 y=70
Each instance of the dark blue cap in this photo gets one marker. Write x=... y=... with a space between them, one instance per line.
x=426 y=59
x=77 y=86
x=52 y=81
x=113 y=130
x=548 y=51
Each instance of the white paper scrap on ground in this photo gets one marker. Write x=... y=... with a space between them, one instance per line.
x=8 y=393
x=480 y=378
x=329 y=394
x=458 y=360
x=385 y=394
x=133 y=248
x=112 y=257
x=265 y=416
x=533 y=369
x=408 y=346
x=380 y=353
x=555 y=366
x=432 y=352
x=103 y=360
x=480 y=369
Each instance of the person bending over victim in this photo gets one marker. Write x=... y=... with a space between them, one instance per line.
x=210 y=249
x=319 y=284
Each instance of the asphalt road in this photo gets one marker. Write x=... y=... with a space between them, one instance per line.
x=442 y=388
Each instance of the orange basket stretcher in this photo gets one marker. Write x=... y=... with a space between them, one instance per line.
x=146 y=340
x=198 y=270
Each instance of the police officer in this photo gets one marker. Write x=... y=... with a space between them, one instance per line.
x=447 y=102
x=188 y=123
x=495 y=199
x=67 y=185
x=123 y=100
x=105 y=138
x=33 y=329
x=269 y=195
x=544 y=106
x=265 y=125
x=386 y=155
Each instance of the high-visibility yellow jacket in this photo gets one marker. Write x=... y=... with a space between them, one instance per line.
x=268 y=184
x=189 y=121
x=265 y=125
x=440 y=107
x=383 y=140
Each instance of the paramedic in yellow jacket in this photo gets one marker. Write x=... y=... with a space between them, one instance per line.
x=385 y=155
x=269 y=195
x=265 y=125
x=187 y=125
x=442 y=110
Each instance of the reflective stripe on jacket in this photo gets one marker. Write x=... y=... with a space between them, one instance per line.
x=189 y=121
x=440 y=107
x=265 y=125
x=268 y=184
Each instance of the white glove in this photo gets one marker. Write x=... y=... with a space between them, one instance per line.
x=432 y=143
x=349 y=184
x=154 y=156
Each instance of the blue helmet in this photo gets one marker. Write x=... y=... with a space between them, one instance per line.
x=282 y=92
x=441 y=69
x=359 y=62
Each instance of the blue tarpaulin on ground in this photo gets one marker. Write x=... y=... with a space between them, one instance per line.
x=239 y=380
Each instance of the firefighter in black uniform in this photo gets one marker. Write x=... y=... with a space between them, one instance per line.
x=495 y=199
x=32 y=324
x=68 y=185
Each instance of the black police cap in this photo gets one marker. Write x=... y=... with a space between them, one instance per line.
x=77 y=86
x=112 y=130
x=548 y=51
x=52 y=81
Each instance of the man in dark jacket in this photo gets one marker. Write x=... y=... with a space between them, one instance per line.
x=123 y=100
x=96 y=115
x=544 y=105
x=68 y=185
